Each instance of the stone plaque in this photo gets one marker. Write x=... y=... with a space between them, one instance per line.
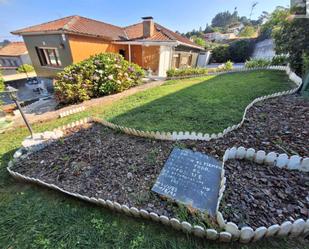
x=191 y=178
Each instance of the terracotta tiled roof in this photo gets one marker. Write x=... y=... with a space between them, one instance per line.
x=85 y=26
x=13 y=49
x=78 y=25
x=135 y=32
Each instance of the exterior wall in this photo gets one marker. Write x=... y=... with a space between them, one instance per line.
x=25 y=59
x=10 y=61
x=264 y=50
x=184 y=57
x=136 y=54
x=48 y=41
x=83 y=47
x=151 y=58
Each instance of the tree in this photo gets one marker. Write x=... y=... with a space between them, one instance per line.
x=247 y=31
x=25 y=68
x=1 y=82
x=274 y=21
x=224 y=19
x=291 y=38
x=208 y=29
x=4 y=43
x=199 y=41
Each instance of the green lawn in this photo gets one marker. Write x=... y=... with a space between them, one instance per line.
x=34 y=217
x=209 y=104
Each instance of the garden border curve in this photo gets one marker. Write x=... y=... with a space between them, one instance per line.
x=230 y=232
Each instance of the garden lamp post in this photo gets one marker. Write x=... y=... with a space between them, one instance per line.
x=13 y=96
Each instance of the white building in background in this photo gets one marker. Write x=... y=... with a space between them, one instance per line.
x=218 y=37
x=13 y=55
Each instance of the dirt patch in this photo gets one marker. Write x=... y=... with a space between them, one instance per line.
x=96 y=161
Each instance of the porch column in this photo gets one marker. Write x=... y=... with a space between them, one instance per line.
x=129 y=52
x=165 y=60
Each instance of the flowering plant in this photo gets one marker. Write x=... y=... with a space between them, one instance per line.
x=100 y=75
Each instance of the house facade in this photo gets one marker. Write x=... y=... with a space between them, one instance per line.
x=219 y=37
x=57 y=44
x=13 y=55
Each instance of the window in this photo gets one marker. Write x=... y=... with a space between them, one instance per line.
x=122 y=52
x=48 y=57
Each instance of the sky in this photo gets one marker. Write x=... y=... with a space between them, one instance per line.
x=181 y=15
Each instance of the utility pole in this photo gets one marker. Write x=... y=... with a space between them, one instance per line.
x=254 y=4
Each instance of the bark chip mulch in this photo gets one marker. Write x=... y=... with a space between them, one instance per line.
x=95 y=161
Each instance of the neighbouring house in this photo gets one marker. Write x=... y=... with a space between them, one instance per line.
x=13 y=55
x=235 y=28
x=57 y=44
x=219 y=37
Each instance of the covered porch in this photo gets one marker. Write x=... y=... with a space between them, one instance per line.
x=153 y=56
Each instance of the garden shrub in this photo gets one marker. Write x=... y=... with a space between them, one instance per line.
x=100 y=75
x=228 y=66
x=186 y=72
x=253 y=63
x=279 y=60
x=220 y=54
x=241 y=50
x=1 y=82
x=25 y=68
x=198 y=70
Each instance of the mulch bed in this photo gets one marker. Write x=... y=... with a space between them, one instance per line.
x=98 y=162
x=262 y=195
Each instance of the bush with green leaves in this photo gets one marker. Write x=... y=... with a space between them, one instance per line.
x=186 y=72
x=228 y=66
x=100 y=75
x=220 y=54
x=241 y=50
x=25 y=68
x=1 y=82
x=279 y=60
x=254 y=63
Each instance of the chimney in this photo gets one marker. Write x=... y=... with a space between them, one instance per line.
x=148 y=26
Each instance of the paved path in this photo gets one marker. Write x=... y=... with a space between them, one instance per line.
x=18 y=76
x=33 y=118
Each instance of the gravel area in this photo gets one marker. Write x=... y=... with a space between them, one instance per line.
x=99 y=162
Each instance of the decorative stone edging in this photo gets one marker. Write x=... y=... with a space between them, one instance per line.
x=231 y=231
x=71 y=111
x=207 y=137
x=287 y=228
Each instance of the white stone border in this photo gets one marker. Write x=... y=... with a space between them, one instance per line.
x=71 y=111
x=175 y=223
x=231 y=233
x=207 y=137
x=247 y=234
